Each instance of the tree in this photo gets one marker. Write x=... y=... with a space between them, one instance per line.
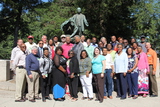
x=146 y=20
x=108 y=17
x=46 y=18
x=11 y=13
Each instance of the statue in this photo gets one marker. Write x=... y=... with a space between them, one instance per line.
x=75 y=24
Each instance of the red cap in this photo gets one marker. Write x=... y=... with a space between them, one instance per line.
x=30 y=36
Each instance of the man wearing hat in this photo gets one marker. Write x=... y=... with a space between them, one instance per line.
x=143 y=43
x=63 y=40
x=30 y=43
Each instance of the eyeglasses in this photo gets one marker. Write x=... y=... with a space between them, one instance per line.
x=23 y=46
x=119 y=47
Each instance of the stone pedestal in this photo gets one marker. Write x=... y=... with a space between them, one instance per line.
x=5 y=70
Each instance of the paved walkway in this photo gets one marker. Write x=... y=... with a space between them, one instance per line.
x=7 y=90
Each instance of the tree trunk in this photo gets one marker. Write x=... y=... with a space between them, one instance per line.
x=17 y=25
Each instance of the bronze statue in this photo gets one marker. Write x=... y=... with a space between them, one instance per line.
x=75 y=24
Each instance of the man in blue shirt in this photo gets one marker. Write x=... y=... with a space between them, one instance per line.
x=40 y=49
x=32 y=67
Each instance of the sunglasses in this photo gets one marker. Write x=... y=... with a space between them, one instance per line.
x=40 y=43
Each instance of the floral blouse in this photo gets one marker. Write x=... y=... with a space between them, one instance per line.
x=131 y=63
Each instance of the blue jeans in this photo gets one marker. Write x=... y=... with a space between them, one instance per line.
x=108 y=82
x=132 y=81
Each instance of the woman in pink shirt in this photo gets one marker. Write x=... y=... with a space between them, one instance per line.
x=143 y=69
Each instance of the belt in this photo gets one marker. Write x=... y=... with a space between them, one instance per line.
x=21 y=67
x=108 y=68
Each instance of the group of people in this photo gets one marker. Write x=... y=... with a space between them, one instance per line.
x=53 y=64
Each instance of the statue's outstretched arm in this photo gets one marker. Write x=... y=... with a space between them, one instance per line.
x=64 y=23
x=85 y=21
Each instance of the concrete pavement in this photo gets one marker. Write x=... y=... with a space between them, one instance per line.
x=7 y=90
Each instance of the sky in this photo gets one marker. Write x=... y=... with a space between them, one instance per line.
x=45 y=0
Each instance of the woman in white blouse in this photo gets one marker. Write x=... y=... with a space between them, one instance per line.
x=121 y=66
x=108 y=74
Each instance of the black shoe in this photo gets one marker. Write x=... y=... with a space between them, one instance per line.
x=49 y=98
x=118 y=97
x=123 y=98
x=37 y=98
x=96 y=100
x=153 y=95
x=59 y=99
x=32 y=100
x=43 y=99
x=64 y=98
x=25 y=98
x=100 y=101
x=21 y=100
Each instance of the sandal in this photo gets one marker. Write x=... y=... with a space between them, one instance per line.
x=110 y=97
x=144 y=96
x=135 y=97
x=89 y=99
x=70 y=98
x=74 y=99
x=83 y=98
x=129 y=96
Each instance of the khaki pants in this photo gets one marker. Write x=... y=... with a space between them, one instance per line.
x=20 y=83
x=33 y=85
x=152 y=82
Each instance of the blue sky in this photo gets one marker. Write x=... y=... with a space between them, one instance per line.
x=45 y=0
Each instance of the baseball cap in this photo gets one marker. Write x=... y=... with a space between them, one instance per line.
x=143 y=36
x=63 y=36
x=30 y=36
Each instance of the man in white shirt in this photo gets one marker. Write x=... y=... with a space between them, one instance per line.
x=30 y=44
x=14 y=52
x=83 y=41
x=19 y=67
x=17 y=48
x=94 y=42
x=44 y=39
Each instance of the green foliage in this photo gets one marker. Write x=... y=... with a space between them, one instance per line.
x=5 y=48
x=47 y=18
x=146 y=20
x=125 y=18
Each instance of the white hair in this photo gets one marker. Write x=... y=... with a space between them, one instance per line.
x=44 y=35
x=34 y=47
x=77 y=36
